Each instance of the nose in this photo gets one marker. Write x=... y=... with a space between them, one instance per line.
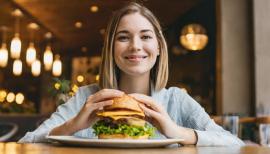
x=136 y=44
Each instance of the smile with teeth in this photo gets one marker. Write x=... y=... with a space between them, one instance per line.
x=135 y=57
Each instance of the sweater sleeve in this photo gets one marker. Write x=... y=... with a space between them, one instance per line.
x=208 y=132
x=63 y=113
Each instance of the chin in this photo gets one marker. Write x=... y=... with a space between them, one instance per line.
x=136 y=70
x=137 y=73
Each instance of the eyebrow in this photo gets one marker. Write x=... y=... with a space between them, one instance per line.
x=147 y=30
x=126 y=32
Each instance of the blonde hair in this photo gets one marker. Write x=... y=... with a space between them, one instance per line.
x=109 y=72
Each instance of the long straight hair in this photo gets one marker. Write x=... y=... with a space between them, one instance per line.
x=109 y=72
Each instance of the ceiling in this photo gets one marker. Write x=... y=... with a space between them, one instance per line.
x=59 y=18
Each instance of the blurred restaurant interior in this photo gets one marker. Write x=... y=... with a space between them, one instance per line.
x=218 y=54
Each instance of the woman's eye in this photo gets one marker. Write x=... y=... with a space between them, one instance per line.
x=123 y=38
x=146 y=37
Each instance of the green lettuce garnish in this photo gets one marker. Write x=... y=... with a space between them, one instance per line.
x=134 y=131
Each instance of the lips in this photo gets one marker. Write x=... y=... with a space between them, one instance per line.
x=135 y=58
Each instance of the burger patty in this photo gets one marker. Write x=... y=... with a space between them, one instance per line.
x=113 y=124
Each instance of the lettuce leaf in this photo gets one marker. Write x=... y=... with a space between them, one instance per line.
x=102 y=128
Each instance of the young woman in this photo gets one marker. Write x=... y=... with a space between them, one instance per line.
x=135 y=62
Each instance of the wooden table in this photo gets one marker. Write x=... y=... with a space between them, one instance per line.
x=15 y=148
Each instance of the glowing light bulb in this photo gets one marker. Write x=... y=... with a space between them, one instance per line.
x=3 y=95
x=19 y=98
x=31 y=54
x=48 y=58
x=3 y=55
x=15 y=47
x=10 y=97
x=57 y=66
x=80 y=78
x=17 y=67
x=94 y=8
x=36 y=68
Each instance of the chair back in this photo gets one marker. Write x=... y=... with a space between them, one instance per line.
x=7 y=130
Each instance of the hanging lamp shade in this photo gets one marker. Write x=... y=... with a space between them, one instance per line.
x=3 y=55
x=48 y=58
x=17 y=67
x=15 y=47
x=193 y=37
x=57 y=66
x=31 y=54
x=36 y=68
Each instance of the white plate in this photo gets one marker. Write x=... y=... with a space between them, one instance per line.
x=120 y=143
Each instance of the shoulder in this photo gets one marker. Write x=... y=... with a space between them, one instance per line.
x=170 y=97
x=177 y=97
x=172 y=92
x=175 y=91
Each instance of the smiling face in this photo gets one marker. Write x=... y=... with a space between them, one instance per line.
x=135 y=45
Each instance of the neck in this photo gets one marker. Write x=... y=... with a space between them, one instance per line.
x=138 y=84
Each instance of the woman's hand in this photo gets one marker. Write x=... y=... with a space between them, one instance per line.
x=156 y=115
x=159 y=117
x=87 y=115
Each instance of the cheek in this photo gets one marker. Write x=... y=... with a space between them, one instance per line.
x=152 y=47
x=119 y=48
x=153 y=50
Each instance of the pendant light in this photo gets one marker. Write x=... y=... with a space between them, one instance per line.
x=48 y=58
x=31 y=51
x=3 y=49
x=36 y=68
x=3 y=55
x=57 y=66
x=15 y=47
x=48 y=54
x=30 y=54
x=193 y=37
x=17 y=67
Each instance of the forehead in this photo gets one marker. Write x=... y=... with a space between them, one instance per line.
x=134 y=22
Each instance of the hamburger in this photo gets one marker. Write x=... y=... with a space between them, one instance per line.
x=124 y=119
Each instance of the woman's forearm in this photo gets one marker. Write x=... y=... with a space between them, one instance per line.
x=68 y=128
